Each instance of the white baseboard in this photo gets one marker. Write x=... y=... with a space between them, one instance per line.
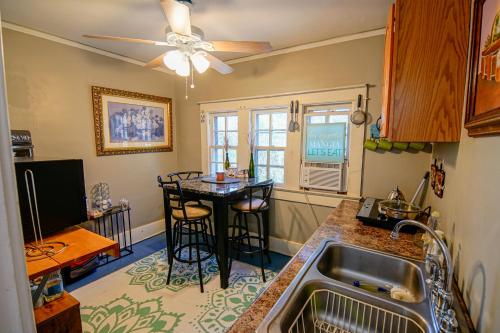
x=284 y=246
x=154 y=228
x=145 y=231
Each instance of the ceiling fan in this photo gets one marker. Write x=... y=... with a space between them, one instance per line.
x=190 y=48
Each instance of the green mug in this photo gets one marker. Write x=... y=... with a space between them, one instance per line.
x=400 y=145
x=371 y=145
x=385 y=145
x=417 y=145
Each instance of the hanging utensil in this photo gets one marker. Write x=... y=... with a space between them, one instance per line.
x=296 y=125
x=291 y=125
x=358 y=117
x=420 y=188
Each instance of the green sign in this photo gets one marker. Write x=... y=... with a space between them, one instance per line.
x=325 y=143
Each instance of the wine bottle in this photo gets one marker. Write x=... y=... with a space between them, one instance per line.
x=251 y=167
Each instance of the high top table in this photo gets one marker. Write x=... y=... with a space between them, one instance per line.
x=221 y=195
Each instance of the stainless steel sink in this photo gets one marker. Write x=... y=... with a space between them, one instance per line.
x=322 y=297
x=348 y=264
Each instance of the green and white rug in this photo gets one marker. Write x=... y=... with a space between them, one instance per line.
x=137 y=299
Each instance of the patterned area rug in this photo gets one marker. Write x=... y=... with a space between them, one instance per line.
x=137 y=299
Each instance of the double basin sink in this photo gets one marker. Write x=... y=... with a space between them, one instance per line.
x=344 y=288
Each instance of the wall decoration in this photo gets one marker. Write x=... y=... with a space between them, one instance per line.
x=483 y=100
x=128 y=122
x=434 y=169
x=439 y=184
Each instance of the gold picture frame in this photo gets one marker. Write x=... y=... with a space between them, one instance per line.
x=128 y=122
x=482 y=116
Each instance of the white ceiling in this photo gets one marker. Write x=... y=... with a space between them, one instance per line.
x=284 y=23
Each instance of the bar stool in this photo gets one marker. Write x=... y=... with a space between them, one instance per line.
x=190 y=221
x=184 y=175
x=253 y=204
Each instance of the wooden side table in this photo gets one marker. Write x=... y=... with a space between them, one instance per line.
x=59 y=316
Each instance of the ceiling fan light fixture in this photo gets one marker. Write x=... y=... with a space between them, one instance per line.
x=172 y=59
x=183 y=67
x=200 y=62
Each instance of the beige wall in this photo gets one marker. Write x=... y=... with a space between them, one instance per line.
x=470 y=217
x=348 y=63
x=49 y=93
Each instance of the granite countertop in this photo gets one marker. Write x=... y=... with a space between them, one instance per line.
x=340 y=225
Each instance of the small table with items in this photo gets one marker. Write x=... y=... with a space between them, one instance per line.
x=115 y=224
x=221 y=195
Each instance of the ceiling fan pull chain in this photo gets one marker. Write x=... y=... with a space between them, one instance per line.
x=192 y=76
x=186 y=88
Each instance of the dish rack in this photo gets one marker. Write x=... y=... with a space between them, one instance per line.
x=327 y=311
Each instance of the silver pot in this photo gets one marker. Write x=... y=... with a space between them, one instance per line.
x=399 y=209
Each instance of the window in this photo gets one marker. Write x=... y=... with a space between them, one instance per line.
x=223 y=127
x=280 y=154
x=327 y=133
x=270 y=130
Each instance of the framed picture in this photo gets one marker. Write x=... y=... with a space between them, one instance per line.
x=483 y=105
x=129 y=123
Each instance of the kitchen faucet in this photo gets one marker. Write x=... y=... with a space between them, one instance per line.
x=442 y=289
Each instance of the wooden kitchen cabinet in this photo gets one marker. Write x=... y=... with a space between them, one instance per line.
x=425 y=64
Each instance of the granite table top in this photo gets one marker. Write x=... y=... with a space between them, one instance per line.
x=196 y=185
x=341 y=225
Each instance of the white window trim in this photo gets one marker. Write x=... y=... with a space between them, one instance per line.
x=211 y=138
x=270 y=110
x=293 y=152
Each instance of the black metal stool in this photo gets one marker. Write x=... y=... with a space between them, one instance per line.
x=251 y=205
x=190 y=221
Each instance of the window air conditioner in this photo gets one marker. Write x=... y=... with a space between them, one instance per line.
x=323 y=176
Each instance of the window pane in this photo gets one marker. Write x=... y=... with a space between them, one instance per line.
x=219 y=123
x=261 y=157
x=217 y=155
x=216 y=167
x=219 y=138
x=232 y=156
x=233 y=138
x=277 y=157
x=317 y=119
x=261 y=172
x=278 y=120
x=343 y=118
x=232 y=123
x=262 y=121
x=279 y=139
x=277 y=174
x=263 y=139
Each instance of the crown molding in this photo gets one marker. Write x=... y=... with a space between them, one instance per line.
x=335 y=40
x=60 y=40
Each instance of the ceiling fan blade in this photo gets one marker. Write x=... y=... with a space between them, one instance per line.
x=219 y=65
x=177 y=16
x=127 y=39
x=241 y=46
x=156 y=62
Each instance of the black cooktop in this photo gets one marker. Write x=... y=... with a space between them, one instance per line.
x=369 y=215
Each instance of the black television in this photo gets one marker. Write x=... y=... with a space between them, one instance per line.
x=58 y=192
